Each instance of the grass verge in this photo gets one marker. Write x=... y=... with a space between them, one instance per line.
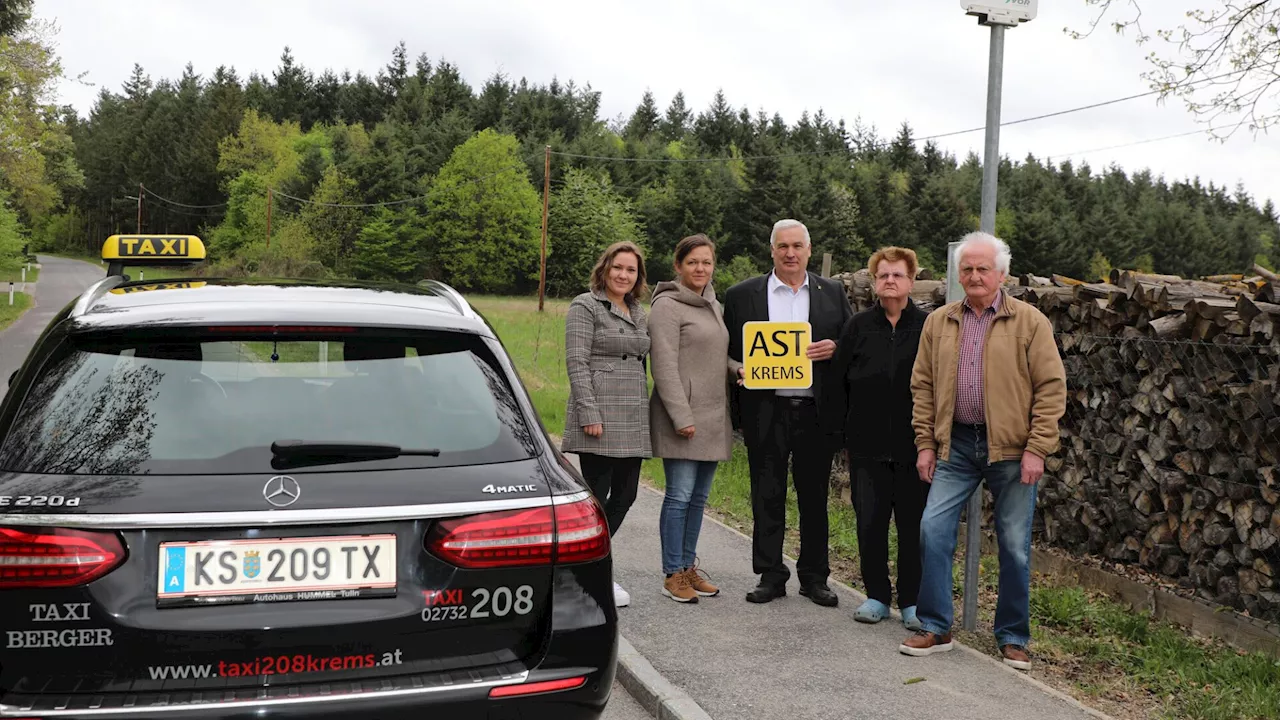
x=13 y=274
x=1104 y=654
x=10 y=313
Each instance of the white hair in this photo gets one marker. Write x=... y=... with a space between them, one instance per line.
x=787 y=224
x=1003 y=256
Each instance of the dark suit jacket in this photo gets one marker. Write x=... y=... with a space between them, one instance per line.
x=748 y=301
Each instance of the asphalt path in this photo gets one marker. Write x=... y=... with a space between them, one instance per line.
x=793 y=659
x=623 y=707
x=61 y=281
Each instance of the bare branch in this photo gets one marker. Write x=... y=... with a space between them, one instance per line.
x=1225 y=61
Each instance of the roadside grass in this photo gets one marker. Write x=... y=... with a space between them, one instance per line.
x=1099 y=651
x=10 y=313
x=12 y=273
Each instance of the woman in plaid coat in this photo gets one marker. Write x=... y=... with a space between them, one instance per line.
x=606 y=352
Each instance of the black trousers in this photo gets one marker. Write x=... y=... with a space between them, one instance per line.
x=881 y=488
x=792 y=437
x=614 y=482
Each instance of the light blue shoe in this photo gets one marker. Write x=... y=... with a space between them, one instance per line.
x=871 y=611
x=909 y=618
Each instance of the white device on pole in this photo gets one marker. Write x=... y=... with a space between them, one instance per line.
x=1001 y=12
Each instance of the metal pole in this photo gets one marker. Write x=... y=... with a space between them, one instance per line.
x=139 y=208
x=990 y=175
x=546 y=197
x=991 y=154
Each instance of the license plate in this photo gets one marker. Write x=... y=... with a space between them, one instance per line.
x=276 y=569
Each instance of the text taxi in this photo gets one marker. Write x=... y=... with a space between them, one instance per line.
x=279 y=499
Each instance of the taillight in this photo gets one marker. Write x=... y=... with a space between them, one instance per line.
x=571 y=533
x=582 y=532
x=56 y=557
x=538 y=687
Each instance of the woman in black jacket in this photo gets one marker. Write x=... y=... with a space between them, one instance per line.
x=870 y=409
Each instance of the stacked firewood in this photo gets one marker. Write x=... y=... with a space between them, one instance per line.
x=1170 y=455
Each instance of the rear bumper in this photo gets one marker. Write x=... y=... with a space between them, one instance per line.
x=586 y=702
x=386 y=699
x=583 y=642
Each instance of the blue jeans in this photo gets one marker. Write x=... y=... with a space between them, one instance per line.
x=688 y=485
x=953 y=482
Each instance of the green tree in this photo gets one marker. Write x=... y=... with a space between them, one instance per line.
x=11 y=239
x=484 y=217
x=733 y=272
x=585 y=217
x=644 y=120
x=1099 y=268
x=29 y=72
x=387 y=247
x=334 y=227
x=14 y=16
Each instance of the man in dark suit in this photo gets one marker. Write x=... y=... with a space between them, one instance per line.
x=781 y=427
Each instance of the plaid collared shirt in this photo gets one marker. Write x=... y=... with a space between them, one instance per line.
x=971 y=408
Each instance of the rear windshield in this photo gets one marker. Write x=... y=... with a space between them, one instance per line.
x=214 y=404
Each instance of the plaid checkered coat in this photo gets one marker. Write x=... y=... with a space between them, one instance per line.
x=606 y=356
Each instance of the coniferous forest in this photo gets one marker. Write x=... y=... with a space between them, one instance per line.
x=410 y=172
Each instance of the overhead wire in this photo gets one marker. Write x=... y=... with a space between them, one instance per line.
x=1049 y=158
x=148 y=191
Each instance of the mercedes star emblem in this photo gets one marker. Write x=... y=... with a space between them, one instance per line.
x=281 y=491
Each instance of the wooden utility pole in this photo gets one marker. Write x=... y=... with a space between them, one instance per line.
x=139 y=227
x=546 y=197
x=268 y=217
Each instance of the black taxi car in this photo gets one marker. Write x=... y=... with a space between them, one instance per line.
x=236 y=499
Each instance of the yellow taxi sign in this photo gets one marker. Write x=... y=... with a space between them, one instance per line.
x=153 y=249
x=157 y=286
x=773 y=356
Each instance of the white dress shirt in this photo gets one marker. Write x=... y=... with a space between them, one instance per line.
x=787 y=305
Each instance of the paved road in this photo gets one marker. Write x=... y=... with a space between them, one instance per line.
x=60 y=281
x=794 y=659
x=624 y=707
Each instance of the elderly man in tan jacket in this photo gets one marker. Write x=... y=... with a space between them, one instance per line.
x=989 y=389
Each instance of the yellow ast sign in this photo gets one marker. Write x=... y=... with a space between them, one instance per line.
x=773 y=356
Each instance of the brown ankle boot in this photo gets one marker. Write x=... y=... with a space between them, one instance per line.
x=677 y=588
x=699 y=582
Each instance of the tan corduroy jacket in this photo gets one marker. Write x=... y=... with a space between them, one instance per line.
x=1024 y=382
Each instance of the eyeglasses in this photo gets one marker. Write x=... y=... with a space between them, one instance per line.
x=895 y=275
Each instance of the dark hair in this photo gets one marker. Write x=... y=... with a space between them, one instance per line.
x=687 y=245
x=640 y=289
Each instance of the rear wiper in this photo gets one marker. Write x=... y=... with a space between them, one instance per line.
x=344 y=450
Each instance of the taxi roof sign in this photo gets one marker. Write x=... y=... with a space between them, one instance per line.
x=121 y=250
x=153 y=249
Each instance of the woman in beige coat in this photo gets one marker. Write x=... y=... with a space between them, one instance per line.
x=689 y=410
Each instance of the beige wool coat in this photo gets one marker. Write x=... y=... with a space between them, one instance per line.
x=690 y=367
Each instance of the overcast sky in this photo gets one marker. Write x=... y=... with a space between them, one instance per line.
x=887 y=60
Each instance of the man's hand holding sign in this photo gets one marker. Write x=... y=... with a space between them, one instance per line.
x=778 y=355
x=795 y=343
